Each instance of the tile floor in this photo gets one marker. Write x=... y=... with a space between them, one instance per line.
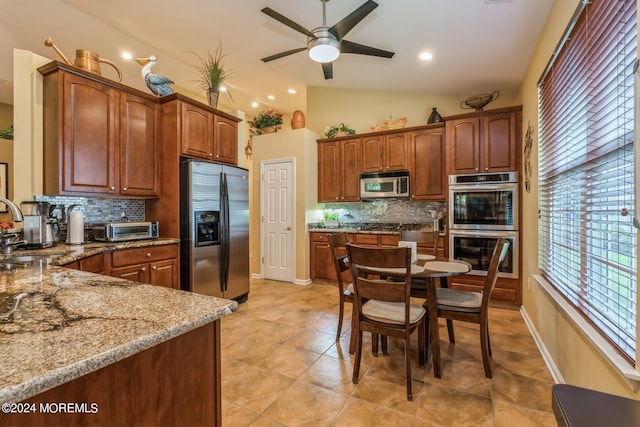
x=281 y=366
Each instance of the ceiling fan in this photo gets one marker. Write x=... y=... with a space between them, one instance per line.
x=325 y=44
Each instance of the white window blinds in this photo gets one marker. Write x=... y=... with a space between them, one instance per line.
x=587 y=240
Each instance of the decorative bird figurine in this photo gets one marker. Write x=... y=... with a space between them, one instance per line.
x=158 y=84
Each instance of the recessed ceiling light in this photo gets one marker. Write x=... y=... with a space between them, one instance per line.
x=126 y=55
x=425 y=56
x=292 y=91
x=254 y=104
x=222 y=88
x=271 y=97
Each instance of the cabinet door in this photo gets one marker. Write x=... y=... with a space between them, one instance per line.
x=328 y=172
x=225 y=146
x=499 y=142
x=197 y=132
x=463 y=138
x=89 y=138
x=372 y=154
x=164 y=273
x=350 y=170
x=323 y=267
x=136 y=273
x=139 y=155
x=396 y=152
x=428 y=165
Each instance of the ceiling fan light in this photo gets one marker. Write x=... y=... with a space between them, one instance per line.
x=324 y=53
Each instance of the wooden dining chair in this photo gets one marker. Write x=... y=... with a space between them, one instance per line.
x=473 y=307
x=383 y=307
x=337 y=243
x=429 y=238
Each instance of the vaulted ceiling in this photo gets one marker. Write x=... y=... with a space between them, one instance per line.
x=478 y=46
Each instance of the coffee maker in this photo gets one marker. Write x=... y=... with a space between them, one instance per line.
x=40 y=231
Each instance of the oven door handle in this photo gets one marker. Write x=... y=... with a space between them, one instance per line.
x=483 y=233
x=483 y=187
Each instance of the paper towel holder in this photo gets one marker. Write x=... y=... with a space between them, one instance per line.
x=71 y=224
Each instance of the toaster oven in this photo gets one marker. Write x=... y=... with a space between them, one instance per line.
x=125 y=231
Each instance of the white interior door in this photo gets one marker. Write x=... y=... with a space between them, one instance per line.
x=278 y=225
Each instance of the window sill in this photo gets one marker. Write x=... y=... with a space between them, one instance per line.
x=626 y=371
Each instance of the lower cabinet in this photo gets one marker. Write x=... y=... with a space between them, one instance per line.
x=157 y=265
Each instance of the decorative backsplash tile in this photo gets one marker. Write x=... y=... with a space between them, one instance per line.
x=96 y=209
x=387 y=211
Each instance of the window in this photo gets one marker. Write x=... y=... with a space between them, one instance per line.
x=586 y=101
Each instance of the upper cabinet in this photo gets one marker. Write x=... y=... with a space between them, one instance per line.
x=99 y=137
x=382 y=153
x=427 y=153
x=201 y=131
x=484 y=142
x=339 y=170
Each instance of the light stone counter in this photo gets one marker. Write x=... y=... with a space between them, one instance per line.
x=58 y=324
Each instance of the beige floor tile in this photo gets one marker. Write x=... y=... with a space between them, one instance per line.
x=442 y=406
x=254 y=389
x=522 y=391
x=507 y=415
x=306 y=405
x=281 y=366
x=358 y=413
x=236 y=416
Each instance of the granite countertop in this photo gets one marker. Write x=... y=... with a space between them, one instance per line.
x=58 y=324
x=373 y=227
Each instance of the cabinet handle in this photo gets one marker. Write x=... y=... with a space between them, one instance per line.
x=210 y=154
x=217 y=155
x=486 y=169
x=154 y=267
x=113 y=188
x=125 y=189
x=477 y=169
x=143 y=269
x=148 y=254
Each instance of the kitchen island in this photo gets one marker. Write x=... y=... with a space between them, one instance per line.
x=79 y=348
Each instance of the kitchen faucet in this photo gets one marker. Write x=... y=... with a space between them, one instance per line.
x=7 y=241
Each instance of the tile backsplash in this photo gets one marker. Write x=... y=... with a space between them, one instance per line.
x=386 y=211
x=96 y=209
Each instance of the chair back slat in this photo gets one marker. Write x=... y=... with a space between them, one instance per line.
x=499 y=254
x=429 y=238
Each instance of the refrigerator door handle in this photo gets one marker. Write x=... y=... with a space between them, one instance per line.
x=224 y=204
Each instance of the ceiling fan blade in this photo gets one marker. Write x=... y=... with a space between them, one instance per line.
x=348 y=22
x=286 y=21
x=351 y=47
x=327 y=69
x=283 y=54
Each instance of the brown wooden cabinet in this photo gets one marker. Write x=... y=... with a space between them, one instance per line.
x=98 y=136
x=157 y=265
x=428 y=164
x=92 y=264
x=225 y=142
x=382 y=153
x=484 y=142
x=339 y=171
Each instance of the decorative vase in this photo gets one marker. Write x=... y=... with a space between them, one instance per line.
x=212 y=96
x=434 y=117
x=269 y=129
x=297 y=120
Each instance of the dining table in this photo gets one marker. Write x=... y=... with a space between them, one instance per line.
x=430 y=267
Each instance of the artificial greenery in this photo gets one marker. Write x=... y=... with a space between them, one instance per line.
x=340 y=130
x=266 y=118
x=212 y=71
x=330 y=216
x=7 y=133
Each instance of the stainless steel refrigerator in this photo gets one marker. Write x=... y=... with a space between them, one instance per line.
x=214 y=229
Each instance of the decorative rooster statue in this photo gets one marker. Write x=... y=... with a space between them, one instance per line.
x=158 y=84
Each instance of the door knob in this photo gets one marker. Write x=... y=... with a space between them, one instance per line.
x=288 y=228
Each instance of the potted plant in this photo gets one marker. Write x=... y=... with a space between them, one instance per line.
x=213 y=75
x=268 y=121
x=331 y=219
x=340 y=130
x=7 y=133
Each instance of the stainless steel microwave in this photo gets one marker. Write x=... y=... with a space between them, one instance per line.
x=384 y=185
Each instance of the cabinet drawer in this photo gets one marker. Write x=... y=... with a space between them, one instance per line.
x=143 y=255
x=93 y=264
x=389 y=239
x=319 y=237
x=366 y=239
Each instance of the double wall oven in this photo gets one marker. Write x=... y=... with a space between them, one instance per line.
x=483 y=208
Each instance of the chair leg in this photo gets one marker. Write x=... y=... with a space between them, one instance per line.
x=422 y=350
x=356 y=366
x=407 y=362
x=452 y=338
x=352 y=338
x=374 y=345
x=383 y=339
x=489 y=341
x=340 y=316
x=484 y=346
